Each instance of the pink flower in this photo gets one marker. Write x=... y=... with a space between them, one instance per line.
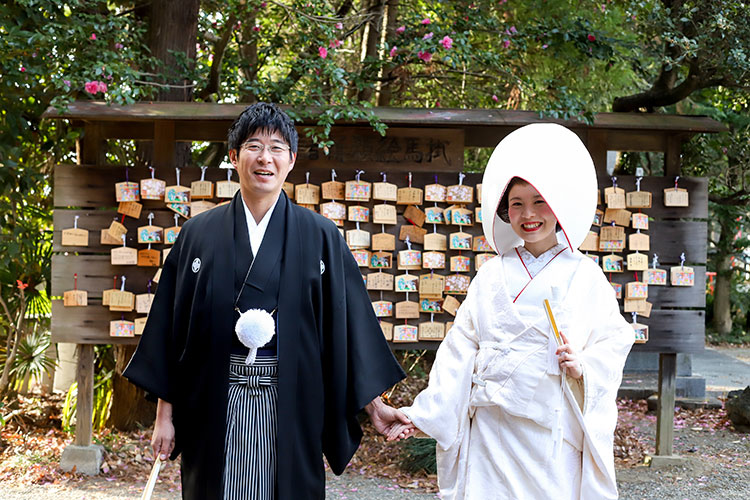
x=513 y=29
x=263 y=4
x=256 y=28
x=506 y=44
x=425 y=56
x=437 y=104
x=427 y=36
x=400 y=29
x=335 y=43
x=591 y=38
x=446 y=42
x=339 y=26
x=93 y=36
x=23 y=70
x=393 y=51
x=544 y=46
x=323 y=52
x=66 y=83
x=119 y=46
x=91 y=87
x=102 y=87
x=494 y=98
x=426 y=20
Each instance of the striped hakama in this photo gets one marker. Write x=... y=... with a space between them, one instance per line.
x=250 y=446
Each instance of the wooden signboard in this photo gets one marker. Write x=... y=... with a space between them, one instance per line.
x=383 y=242
x=384 y=191
x=380 y=281
x=435 y=241
x=431 y=331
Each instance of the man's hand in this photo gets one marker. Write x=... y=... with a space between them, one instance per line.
x=162 y=440
x=386 y=418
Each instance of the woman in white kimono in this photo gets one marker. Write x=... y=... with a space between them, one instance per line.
x=507 y=424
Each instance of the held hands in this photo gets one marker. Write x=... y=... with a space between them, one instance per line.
x=388 y=421
x=568 y=359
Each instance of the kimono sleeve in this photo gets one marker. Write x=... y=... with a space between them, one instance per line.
x=152 y=366
x=441 y=410
x=358 y=362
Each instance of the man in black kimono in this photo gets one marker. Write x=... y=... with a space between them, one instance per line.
x=333 y=360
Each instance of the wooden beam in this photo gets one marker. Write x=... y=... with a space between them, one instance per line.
x=665 y=407
x=596 y=142
x=164 y=144
x=672 y=164
x=85 y=400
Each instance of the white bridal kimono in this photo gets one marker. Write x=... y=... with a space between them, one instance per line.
x=495 y=403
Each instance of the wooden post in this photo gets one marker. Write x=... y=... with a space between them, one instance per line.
x=85 y=404
x=164 y=144
x=665 y=407
x=92 y=151
x=672 y=165
x=597 y=145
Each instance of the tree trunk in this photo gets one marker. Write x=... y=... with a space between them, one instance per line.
x=374 y=24
x=129 y=406
x=386 y=88
x=722 y=320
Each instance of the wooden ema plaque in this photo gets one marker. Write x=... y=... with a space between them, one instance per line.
x=358 y=213
x=201 y=190
x=153 y=189
x=380 y=281
x=451 y=305
x=590 y=243
x=435 y=193
x=164 y=254
x=462 y=217
x=409 y=259
x=170 y=234
x=124 y=256
x=130 y=209
x=655 y=276
x=384 y=191
x=121 y=328
x=381 y=260
x=357 y=191
x=361 y=257
x=409 y=196
x=382 y=308
x=457 y=284
x=149 y=258
x=383 y=242
x=612 y=233
x=482 y=258
x=182 y=208
x=307 y=194
x=357 y=238
x=177 y=194
x=615 y=197
x=415 y=234
x=460 y=241
x=459 y=194
x=636 y=290
x=75 y=237
x=127 y=191
x=460 y=264
x=612 y=264
x=227 y=189
x=619 y=217
x=617 y=287
x=407 y=309
x=143 y=302
x=639 y=221
x=384 y=214
x=75 y=298
x=635 y=305
x=434 y=215
x=479 y=193
x=638 y=199
x=435 y=241
x=433 y=260
x=121 y=301
x=611 y=245
x=639 y=241
x=641 y=332
x=414 y=215
x=106 y=294
x=431 y=286
x=387 y=329
x=480 y=244
x=681 y=276
x=150 y=234
x=637 y=262
x=198 y=207
x=478 y=215
x=432 y=306
x=333 y=190
x=116 y=230
x=157 y=276
x=598 y=217
x=646 y=312
x=140 y=325
x=431 y=330
x=335 y=211
x=406 y=283
x=405 y=333
x=676 y=197
x=107 y=239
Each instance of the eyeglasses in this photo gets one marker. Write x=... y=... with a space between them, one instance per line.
x=257 y=148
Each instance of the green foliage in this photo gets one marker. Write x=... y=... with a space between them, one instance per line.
x=418 y=455
x=31 y=359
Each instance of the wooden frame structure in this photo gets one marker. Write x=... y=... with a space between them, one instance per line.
x=166 y=124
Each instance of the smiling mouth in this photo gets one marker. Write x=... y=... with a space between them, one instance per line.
x=264 y=173
x=531 y=226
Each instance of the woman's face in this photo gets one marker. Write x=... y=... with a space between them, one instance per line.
x=530 y=216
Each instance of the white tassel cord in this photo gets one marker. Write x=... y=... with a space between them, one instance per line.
x=255 y=328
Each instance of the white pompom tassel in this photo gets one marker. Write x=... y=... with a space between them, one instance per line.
x=255 y=328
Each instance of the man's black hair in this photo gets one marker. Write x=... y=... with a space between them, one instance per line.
x=266 y=117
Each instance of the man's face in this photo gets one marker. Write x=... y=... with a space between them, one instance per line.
x=262 y=173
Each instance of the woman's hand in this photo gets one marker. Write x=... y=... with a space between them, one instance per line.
x=162 y=440
x=568 y=359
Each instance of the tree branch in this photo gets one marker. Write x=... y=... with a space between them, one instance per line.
x=213 y=78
